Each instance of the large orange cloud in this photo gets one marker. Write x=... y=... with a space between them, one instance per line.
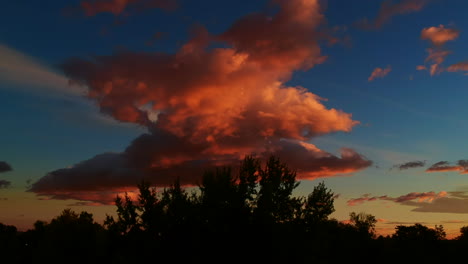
x=207 y=107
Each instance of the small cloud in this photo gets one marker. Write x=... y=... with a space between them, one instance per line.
x=379 y=73
x=421 y=68
x=117 y=7
x=410 y=165
x=4 y=184
x=416 y=197
x=389 y=9
x=439 y=35
x=4 y=167
x=443 y=166
x=458 y=67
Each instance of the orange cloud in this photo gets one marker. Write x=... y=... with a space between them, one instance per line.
x=461 y=66
x=379 y=73
x=444 y=166
x=206 y=107
x=439 y=35
x=117 y=7
x=389 y=9
x=410 y=197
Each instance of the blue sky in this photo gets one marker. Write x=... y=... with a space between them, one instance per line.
x=406 y=115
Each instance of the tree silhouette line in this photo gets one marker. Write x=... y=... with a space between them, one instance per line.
x=248 y=215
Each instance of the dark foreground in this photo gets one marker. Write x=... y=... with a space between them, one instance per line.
x=247 y=216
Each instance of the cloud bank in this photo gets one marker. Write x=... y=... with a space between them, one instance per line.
x=206 y=107
x=407 y=199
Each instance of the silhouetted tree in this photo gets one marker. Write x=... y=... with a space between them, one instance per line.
x=319 y=204
x=65 y=235
x=275 y=203
x=463 y=234
x=9 y=243
x=418 y=232
x=364 y=223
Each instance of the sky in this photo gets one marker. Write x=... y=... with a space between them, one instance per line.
x=368 y=96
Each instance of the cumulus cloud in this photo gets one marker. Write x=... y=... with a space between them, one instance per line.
x=407 y=199
x=439 y=35
x=389 y=9
x=206 y=107
x=117 y=7
x=4 y=167
x=410 y=165
x=443 y=166
x=379 y=73
x=4 y=184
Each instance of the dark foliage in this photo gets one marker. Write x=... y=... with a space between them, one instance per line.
x=246 y=216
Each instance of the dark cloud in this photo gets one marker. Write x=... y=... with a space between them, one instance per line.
x=407 y=199
x=442 y=205
x=160 y=158
x=391 y=8
x=4 y=167
x=410 y=165
x=444 y=166
x=431 y=202
x=4 y=184
x=117 y=7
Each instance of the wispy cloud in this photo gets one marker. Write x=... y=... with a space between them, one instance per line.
x=458 y=67
x=443 y=166
x=20 y=69
x=410 y=165
x=117 y=7
x=379 y=73
x=389 y=9
x=437 y=36
x=414 y=197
